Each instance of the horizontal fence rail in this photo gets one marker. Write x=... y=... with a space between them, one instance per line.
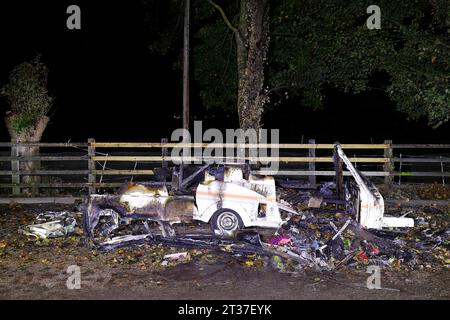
x=93 y=165
x=236 y=145
x=229 y=159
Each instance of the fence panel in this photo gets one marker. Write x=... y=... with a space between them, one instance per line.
x=93 y=165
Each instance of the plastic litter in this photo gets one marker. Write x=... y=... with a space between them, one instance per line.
x=280 y=240
x=325 y=190
x=52 y=229
x=179 y=257
x=57 y=224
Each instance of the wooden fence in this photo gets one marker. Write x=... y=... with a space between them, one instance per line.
x=93 y=165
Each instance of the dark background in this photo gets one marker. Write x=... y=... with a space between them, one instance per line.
x=109 y=86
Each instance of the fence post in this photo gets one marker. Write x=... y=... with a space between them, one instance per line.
x=389 y=166
x=339 y=176
x=312 y=164
x=164 y=153
x=15 y=169
x=91 y=165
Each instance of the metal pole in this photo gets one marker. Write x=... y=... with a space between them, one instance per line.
x=187 y=6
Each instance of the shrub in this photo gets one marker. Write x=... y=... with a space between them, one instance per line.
x=27 y=94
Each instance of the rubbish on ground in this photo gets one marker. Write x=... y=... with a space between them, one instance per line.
x=338 y=233
x=347 y=244
x=188 y=241
x=405 y=214
x=178 y=257
x=311 y=241
x=230 y=202
x=342 y=230
x=320 y=242
x=315 y=202
x=280 y=240
x=328 y=242
x=363 y=257
x=277 y=263
x=249 y=236
x=53 y=215
x=57 y=224
x=325 y=190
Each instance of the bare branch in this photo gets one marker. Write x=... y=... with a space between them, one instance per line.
x=225 y=19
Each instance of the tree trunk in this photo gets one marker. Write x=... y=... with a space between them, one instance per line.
x=252 y=48
x=252 y=44
x=30 y=134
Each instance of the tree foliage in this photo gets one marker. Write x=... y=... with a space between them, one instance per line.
x=315 y=44
x=329 y=44
x=27 y=94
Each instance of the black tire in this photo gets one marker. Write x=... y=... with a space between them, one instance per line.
x=225 y=222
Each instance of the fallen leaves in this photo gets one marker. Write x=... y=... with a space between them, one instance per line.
x=434 y=191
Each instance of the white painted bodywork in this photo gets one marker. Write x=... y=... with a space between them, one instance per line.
x=253 y=199
x=372 y=203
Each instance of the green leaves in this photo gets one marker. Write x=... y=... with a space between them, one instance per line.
x=27 y=93
x=325 y=43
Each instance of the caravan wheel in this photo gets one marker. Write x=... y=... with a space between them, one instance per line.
x=226 y=222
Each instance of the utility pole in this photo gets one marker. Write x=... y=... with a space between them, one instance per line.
x=187 y=5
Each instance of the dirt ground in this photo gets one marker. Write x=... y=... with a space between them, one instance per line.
x=227 y=280
x=31 y=269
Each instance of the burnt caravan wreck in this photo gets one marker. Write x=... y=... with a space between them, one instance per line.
x=229 y=204
x=229 y=201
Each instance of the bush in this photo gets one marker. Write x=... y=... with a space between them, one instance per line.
x=27 y=94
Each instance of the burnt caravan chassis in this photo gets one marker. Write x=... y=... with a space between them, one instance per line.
x=137 y=202
x=230 y=203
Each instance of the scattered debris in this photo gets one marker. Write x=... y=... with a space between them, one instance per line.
x=328 y=242
x=315 y=202
x=312 y=239
x=57 y=224
x=277 y=263
x=280 y=240
x=178 y=257
x=229 y=204
x=344 y=224
x=326 y=189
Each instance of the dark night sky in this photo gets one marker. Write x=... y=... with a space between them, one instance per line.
x=109 y=86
